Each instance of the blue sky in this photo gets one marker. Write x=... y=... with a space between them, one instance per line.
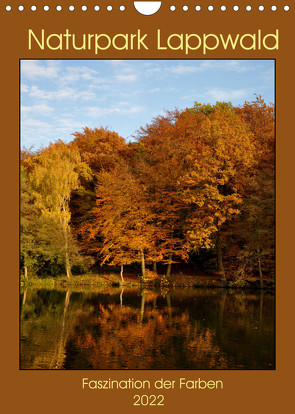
x=60 y=97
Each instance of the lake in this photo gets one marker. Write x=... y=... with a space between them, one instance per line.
x=121 y=328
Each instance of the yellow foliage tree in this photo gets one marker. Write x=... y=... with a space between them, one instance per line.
x=56 y=172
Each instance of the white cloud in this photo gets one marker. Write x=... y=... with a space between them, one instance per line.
x=268 y=76
x=219 y=94
x=32 y=69
x=182 y=69
x=211 y=65
x=153 y=90
x=61 y=93
x=122 y=108
x=68 y=123
x=35 y=123
x=189 y=97
x=71 y=94
x=238 y=66
x=124 y=71
x=126 y=77
x=36 y=132
x=152 y=69
x=135 y=109
x=41 y=109
x=24 y=88
x=82 y=73
x=117 y=62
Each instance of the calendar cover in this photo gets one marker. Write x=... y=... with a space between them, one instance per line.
x=147 y=205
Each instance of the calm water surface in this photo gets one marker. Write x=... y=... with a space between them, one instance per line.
x=115 y=328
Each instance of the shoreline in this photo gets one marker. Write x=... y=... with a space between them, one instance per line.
x=113 y=280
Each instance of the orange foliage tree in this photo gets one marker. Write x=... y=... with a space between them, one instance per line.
x=102 y=150
x=202 y=178
x=252 y=234
x=193 y=165
x=123 y=219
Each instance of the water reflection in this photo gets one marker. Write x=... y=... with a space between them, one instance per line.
x=119 y=328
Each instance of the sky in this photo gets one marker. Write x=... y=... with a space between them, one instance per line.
x=60 y=97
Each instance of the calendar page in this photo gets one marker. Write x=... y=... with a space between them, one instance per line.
x=147 y=205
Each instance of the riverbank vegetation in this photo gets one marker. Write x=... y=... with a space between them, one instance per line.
x=195 y=189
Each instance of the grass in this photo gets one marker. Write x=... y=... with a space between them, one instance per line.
x=75 y=281
x=131 y=281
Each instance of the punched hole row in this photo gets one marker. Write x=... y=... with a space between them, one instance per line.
x=172 y=8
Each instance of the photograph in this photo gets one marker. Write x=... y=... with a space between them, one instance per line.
x=147 y=214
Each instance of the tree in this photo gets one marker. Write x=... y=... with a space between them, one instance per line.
x=253 y=233
x=101 y=150
x=194 y=161
x=231 y=158
x=162 y=153
x=122 y=219
x=55 y=175
x=28 y=224
x=202 y=178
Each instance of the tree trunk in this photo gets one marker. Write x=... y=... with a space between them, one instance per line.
x=260 y=270
x=155 y=267
x=261 y=310
x=68 y=266
x=59 y=355
x=26 y=272
x=142 y=264
x=67 y=260
x=121 y=297
x=219 y=258
x=142 y=306
x=121 y=273
x=24 y=297
x=67 y=300
x=168 y=273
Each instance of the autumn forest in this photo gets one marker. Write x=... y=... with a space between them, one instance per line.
x=194 y=189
